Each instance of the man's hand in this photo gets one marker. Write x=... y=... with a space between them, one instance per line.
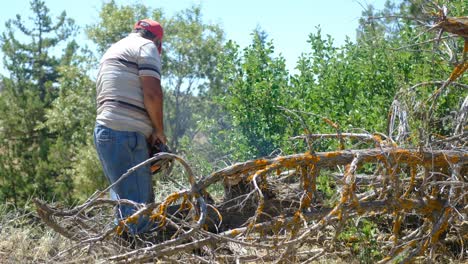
x=157 y=138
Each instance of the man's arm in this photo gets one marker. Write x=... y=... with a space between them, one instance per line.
x=153 y=100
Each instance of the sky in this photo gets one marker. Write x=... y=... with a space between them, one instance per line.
x=287 y=23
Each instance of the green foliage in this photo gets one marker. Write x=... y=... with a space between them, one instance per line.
x=257 y=85
x=71 y=120
x=31 y=61
x=327 y=189
x=190 y=54
x=28 y=91
x=86 y=172
x=115 y=23
x=352 y=85
x=361 y=237
x=420 y=59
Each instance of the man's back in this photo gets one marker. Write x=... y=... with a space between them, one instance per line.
x=119 y=93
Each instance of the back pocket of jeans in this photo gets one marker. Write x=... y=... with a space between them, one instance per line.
x=104 y=135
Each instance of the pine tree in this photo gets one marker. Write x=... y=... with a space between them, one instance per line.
x=28 y=90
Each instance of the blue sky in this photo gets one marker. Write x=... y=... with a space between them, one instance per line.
x=288 y=23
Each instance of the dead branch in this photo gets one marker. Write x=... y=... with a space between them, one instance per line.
x=289 y=217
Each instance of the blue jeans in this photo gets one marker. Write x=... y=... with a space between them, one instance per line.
x=119 y=151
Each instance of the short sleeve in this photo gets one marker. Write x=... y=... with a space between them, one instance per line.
x=149 y=61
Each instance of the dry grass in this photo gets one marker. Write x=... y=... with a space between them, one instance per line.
x=24 y=239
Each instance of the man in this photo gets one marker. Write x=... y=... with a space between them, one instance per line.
x=130 y=114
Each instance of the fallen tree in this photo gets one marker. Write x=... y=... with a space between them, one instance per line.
x=274 y=208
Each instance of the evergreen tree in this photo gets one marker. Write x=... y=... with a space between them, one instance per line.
x=28 y=90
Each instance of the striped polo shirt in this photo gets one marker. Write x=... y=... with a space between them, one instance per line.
x=119 y=92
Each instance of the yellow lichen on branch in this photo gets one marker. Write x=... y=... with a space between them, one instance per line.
x=287 y=209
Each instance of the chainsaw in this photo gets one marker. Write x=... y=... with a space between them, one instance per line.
x=162 y=164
